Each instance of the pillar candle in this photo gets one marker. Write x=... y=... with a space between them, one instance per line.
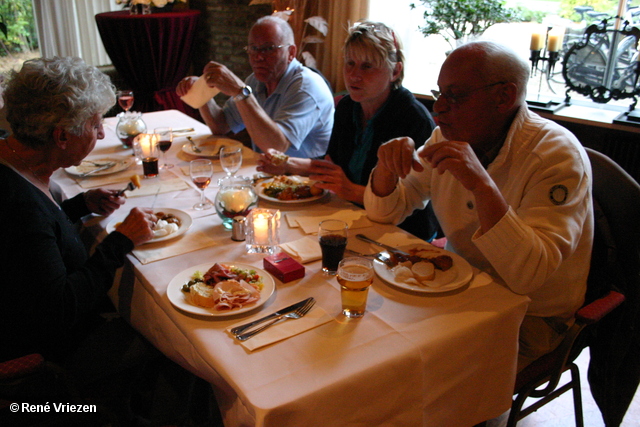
x=536 y=41
x=261 y=229
x=554 y=43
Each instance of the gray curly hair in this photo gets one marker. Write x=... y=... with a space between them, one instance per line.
x=376 y=43
x=51 y=92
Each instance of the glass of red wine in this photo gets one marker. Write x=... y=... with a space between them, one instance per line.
x=125 y=99
x=164 y=143
x=201 y=171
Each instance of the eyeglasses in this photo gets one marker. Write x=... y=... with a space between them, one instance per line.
x=456 y=98
x=264 y=49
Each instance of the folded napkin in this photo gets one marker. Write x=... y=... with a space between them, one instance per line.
x=151 y=188
x=309 y=221
x=285 y=329
x=200 y=93
x=303 y=250
x=101 y=181
x=199 y=236
x=398 y=238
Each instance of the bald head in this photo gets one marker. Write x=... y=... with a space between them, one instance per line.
x=282 y=26
x=493 y=62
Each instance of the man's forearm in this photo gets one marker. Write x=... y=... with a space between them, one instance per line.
x=213 y=117
x=383 y=182
x=264 y=132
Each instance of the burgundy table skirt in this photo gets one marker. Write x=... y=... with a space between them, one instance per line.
x=152 y=53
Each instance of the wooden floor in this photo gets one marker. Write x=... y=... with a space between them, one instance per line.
x=559 y=413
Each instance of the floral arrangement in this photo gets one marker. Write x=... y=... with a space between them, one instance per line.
x=154 y=3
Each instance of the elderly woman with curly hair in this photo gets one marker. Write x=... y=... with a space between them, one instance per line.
x=377 y=108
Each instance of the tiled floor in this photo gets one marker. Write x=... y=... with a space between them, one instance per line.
x=559 y=413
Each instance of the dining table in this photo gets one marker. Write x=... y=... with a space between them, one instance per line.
x=414 y=359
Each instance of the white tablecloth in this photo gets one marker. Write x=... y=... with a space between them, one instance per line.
x=412 y=360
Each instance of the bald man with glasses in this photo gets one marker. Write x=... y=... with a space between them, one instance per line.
x=511 y=190
x=282 y=104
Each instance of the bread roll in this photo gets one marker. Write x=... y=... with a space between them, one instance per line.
x=424 y=271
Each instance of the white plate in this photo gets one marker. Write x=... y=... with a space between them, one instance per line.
x=457 y=276
x=210 y=145
x=264 y=184
x=185 y=224
x=179 y=298
x=120 y=165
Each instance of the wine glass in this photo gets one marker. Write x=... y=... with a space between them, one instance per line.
x=201 y=171
x=231 y=159
x=125 y=99
x=164 y=143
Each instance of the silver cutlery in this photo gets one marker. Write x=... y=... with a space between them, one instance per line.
x=391 y=249
x=186 y=130
x=101 y=168
x=97 y=163
x=293 y=307
x=383 y=257
x=194 y=147
x=129 y=187
x=300 y=312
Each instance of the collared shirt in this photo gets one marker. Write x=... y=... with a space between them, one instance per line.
x=301 y=106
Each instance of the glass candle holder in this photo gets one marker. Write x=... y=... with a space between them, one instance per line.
x=263 y=231
x=149 y=151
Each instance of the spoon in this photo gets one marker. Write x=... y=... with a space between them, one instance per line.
x=194 y=147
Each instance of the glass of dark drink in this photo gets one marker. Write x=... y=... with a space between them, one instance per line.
x=125 y=99
x=165 y=138
x=332 y=235
x=201 y=171
x=149 y=152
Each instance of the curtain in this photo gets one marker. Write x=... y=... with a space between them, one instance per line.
x=340 y=15
x=67 y=28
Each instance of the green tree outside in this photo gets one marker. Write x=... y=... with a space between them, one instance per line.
x=18 y=20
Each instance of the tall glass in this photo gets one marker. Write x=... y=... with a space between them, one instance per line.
x=231 y=159
x=201 y=171
x=355 y=276
x=164 y=143
x=332 y=236
x=149 y=152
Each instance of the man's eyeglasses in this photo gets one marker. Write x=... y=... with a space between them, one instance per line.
x=264 y=49
x=456 y=98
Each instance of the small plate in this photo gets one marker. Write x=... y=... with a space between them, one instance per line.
x=264 y=184
x=120 y=164
x=457 y=276
x=179 y=300
x=185 y=224
x=210 y=146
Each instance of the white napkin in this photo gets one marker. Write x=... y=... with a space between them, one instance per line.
x=398 y=239
x=303 y=250
x=197 y=237
x=309 y=221
x=285 y=329
x=151 y=188
x=101 y=181
x=200 y=93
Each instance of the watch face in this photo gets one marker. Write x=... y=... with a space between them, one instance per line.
x=246 y=91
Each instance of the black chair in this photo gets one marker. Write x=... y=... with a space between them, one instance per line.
x=615 y=266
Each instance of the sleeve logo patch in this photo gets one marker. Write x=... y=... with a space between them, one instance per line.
x=558 y=194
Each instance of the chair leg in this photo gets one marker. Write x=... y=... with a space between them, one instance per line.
x=577 y=395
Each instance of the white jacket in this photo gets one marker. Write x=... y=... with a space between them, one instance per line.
x=542 y=246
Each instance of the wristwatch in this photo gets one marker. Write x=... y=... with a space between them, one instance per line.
x=244 y=93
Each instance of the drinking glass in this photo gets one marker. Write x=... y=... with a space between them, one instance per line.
x=231 y=159
x=164 y=143
x=149 y=151
x=332 y=235
x=355 y=275
x=201 y=171
x=125 y=99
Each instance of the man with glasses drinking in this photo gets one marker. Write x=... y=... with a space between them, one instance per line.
x=511 y=190
x=283 y=105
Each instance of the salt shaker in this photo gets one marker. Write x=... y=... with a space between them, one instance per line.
x=237 y=228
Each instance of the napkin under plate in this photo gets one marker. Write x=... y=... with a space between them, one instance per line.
x=304 y=250
x=285 y=329
x=157 y=187
x=309 y=221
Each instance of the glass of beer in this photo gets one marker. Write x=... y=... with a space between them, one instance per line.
x=332 y=235
x=355 y=275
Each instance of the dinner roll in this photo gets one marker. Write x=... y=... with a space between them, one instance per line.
x=424 y=271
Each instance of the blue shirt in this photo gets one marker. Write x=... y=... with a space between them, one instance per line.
x=302 y=106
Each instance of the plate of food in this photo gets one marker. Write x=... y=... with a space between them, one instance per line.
x=171 y=224
x=209 y=146
x=427 y=269
x=98 y=166
x=221 y=289
x=289 y=189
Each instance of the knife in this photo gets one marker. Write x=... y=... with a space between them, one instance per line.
x=189 y=130
x=101 y=168
x=391 y=249
x=242 y=328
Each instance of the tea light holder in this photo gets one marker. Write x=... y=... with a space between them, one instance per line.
x=150 y=153
x=262 y=231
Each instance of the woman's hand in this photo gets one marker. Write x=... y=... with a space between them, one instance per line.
x=331 y=177
x=138 y=225
x=103 y=202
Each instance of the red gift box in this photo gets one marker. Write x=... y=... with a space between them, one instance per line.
x=283 y=267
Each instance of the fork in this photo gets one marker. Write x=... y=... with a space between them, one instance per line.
x=383 y=257
x=96 y=163
x=130 y=187
x=194 y=147
x=300 y=312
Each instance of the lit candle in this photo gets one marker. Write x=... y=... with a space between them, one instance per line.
x=261 y=229
x=536 y=41
x=554 y=43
